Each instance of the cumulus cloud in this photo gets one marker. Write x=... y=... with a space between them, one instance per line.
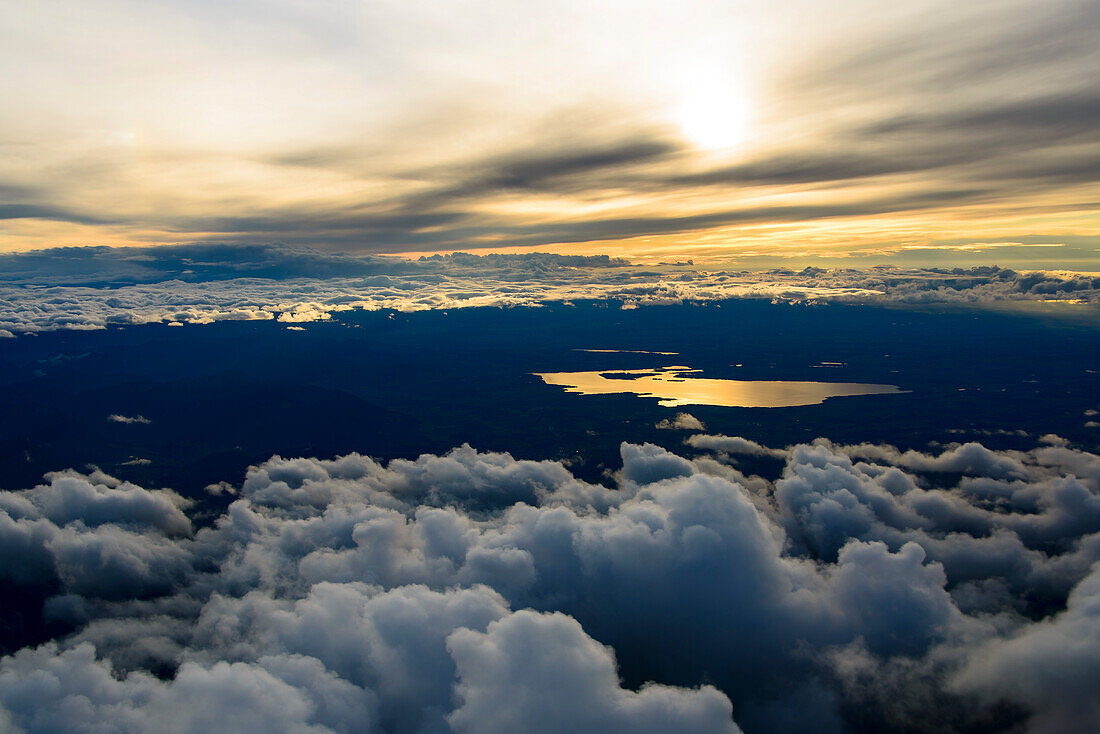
x=57 y=289
x=475 y=592
x=682 y=422
x=732 y=445
x=1052 y=666
x=517 y=675
x=47 y=690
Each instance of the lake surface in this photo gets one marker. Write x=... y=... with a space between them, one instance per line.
x=676 y=386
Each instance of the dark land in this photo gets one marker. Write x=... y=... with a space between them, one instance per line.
x=220 y=397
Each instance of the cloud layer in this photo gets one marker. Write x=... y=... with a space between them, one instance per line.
x=471 y=592
x=93 y=288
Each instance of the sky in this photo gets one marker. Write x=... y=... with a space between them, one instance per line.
x=750 y=133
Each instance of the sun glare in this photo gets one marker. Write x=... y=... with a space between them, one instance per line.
x=713 y=114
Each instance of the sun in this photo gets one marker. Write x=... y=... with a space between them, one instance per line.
x=712 y=113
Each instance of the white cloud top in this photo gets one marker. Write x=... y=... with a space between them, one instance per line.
x=467 y=592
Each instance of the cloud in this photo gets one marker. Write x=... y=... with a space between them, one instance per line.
x=682 y=422
x=97 y=499
x=116 y=418
x=479 y=592
x=71 y=691
x=928 y=125
x=560 y=171
x=732 y=445
x=72 y=289
x=542 y=673
x=1050 y=666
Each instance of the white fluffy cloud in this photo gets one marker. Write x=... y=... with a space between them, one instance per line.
x=516 y=675
x=472 y=592
x=51 y=690
x=732 y=445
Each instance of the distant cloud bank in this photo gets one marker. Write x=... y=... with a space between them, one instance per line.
x=859 y=586
x=93 y=288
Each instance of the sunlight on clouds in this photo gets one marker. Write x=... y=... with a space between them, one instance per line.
x=626 y=127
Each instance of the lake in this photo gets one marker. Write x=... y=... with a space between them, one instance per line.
x=676 y=386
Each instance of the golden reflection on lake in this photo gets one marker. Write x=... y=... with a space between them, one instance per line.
x=676 y=386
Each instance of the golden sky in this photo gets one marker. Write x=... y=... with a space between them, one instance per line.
x=740 y=132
